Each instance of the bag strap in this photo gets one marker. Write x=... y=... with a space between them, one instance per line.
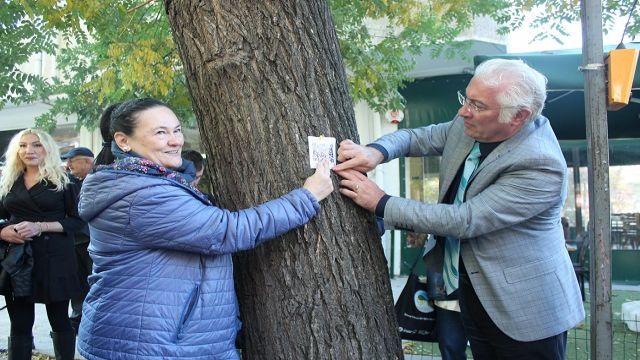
x=415 y=262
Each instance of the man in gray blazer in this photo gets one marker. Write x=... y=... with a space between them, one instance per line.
x=517 y=289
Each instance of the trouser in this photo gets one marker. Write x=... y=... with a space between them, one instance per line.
x=490 y=343
x=84 y=270
x=452 y=340
x=22 y=315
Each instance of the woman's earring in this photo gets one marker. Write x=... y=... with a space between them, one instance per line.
x=126 y=149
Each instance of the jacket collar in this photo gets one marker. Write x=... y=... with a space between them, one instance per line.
x=465 y=143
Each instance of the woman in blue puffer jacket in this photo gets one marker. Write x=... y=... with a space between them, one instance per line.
x=162 y=282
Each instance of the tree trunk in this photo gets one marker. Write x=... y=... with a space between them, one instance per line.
x=263 y=76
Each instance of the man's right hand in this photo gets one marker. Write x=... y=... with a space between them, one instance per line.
x=357 y=157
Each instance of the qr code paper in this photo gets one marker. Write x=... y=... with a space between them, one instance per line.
x=321 y=148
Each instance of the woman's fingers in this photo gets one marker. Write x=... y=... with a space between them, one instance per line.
x=323 y=168
x=320 y=184
x=26 y=229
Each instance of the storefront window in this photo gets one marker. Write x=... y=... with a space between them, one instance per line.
x=423 y=180
x=67 y=137
x=624 y=180
x=625 y=205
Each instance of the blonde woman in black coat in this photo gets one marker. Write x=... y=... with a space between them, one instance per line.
x=40 y=206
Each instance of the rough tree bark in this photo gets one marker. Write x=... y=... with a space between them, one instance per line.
x=263 y=75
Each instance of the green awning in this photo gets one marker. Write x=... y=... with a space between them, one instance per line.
x=565 y=98
x=434 y=100
x=621 y=152
x=561 y=67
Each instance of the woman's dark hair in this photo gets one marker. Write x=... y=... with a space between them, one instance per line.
x=120 y=117
x=105 y=156
x=123 y=117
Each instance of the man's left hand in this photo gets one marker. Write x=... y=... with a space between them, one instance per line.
x=359 y=188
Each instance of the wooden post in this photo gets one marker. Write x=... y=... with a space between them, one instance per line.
x=598 y=166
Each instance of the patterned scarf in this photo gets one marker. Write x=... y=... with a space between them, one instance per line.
x=187 y=169
x=148 y=167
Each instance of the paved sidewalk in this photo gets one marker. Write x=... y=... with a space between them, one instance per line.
x=41 y=328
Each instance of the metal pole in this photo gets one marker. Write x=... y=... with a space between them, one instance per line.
x=577 y=190
x=598 y=167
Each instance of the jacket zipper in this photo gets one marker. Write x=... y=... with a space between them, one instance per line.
x=193 y=300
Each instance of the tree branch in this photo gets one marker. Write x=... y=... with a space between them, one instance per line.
x=140 y=5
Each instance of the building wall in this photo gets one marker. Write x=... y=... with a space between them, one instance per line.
x=14 y=118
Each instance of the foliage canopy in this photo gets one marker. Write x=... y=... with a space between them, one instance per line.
x=110 y=50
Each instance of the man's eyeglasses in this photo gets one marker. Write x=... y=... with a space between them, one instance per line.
x=470 y=104
x=474 y=107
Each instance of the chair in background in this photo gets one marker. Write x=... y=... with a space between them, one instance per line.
x=581 y=266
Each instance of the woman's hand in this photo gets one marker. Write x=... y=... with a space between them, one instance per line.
x=27 y=229
x=9 y=234
x=320 y=184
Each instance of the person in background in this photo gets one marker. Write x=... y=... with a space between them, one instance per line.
x=79 y=162
x=105 y=156
x=569 y=243
x=162 y=282
x=503 y=182
x=40 y=204
x=565 y=228
x=452 y=340
x=198 y=161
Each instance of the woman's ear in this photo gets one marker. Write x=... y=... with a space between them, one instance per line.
x=122 y=140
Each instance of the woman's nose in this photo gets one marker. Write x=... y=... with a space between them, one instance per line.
x=176 y=139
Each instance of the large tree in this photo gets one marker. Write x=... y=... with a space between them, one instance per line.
x=263 y=76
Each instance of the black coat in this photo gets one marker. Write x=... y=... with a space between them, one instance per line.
x=54 y=276
x=16 y=269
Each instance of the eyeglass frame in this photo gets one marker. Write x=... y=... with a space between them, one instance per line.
x=471 y=105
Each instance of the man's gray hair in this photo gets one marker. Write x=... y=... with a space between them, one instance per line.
x=519 y=86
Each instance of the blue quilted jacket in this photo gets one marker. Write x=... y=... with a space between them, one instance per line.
x=162 y=282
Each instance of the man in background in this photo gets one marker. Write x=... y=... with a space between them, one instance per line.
x=196 y=158
x=79 y=163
